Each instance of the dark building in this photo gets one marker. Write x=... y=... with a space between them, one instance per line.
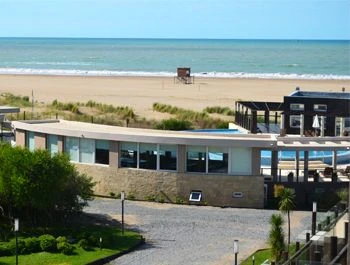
x=303 y=112
x=303 y=106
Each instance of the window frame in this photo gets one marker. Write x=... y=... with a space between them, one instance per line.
x=316 y=107
x=291 y=117
x=299 y=108
x=201 y=149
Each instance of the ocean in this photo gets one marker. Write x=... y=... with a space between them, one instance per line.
x=277 y=59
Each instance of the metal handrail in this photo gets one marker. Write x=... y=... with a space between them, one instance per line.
x=296 y=254
x=341 y=252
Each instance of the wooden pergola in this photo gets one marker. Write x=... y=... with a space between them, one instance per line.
x=246 y=113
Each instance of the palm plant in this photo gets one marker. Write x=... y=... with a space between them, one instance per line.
x=286 y=205
x=276 y=237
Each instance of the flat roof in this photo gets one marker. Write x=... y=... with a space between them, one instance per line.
x=314 y=94
x=127 y=134
x=116 y=133
x=8 y=109
x=327 y=143
x=262 y=105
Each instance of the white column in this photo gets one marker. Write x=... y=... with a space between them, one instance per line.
x=334 y=159
x=282 y=128
x=342 y=129
x=301 y=125
x=322 y=126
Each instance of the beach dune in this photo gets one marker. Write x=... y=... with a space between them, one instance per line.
x=141 y=92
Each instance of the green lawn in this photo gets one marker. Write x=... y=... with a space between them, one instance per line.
x=263 y=254
x=80 y=256
x=260 y=256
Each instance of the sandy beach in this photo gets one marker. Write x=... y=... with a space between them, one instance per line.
x=141 y=92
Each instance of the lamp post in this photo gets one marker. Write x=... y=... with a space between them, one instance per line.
x=314 y=211
x=100 y=243
x=253 y=260
x=235 y=250
x=16 y=231
x=122 y=198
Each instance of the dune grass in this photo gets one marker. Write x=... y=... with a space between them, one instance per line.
x=13 y=100
x=220 y=110
x=100 y=113
x=194 y=118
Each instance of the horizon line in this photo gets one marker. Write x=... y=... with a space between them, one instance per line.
x=170 y=38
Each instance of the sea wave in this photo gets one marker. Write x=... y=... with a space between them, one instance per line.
x=54 y=63
x=31 y=71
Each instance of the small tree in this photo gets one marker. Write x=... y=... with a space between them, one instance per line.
x=286 y=205
x=38 y=188
x=276 y=237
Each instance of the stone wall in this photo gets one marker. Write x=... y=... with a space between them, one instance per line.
x=217 y=190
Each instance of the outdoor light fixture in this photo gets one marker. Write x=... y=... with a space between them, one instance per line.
x=16 y=225
x=235 y=249
x=100 y=243
x=253 y=260
x=313 y=226
x=122 y=198
x=16 y=231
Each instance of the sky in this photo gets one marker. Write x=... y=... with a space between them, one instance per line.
x=209 y=19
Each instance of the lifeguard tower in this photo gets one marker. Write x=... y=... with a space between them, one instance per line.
x=184 y=76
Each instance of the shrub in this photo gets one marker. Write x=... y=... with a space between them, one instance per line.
x=12 y=246
x=32 y=245
x=174 y=125
x=84 y=244
x=150 y=198
x=179 y=200
x=61 y=239
x=83 y=235
x=65 y=248
x=161 y=200
x=93 y=240
x=48 y=243
x=131 y=196
x=5 y=249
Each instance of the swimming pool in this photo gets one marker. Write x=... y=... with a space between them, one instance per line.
x=218 y=131
x=343 y=157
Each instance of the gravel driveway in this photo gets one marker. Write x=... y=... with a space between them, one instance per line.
x=183 y=234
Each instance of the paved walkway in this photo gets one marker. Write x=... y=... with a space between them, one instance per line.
x=183 y=234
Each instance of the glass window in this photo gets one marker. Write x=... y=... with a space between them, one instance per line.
x=31 y=141
x=148 y=156
x=168 y=157
x=128 y=154
x=196 y=159
x=52 y=145
x=320 y=107
x=294 y=106
x=71 y=147
x=294 y=121
x=102 y=152
x=87 y=151
x=241 y=161
x=217 y=160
